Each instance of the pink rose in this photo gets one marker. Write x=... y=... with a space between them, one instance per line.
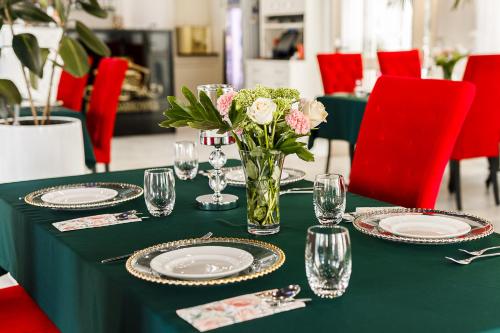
x=298 y=121
x=224 y=103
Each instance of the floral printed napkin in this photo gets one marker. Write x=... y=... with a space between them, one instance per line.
x=233 y=310
x=95 y=221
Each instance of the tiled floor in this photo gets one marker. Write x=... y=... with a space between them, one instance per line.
x=157 y=150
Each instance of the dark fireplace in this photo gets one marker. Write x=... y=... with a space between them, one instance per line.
x=149 y=78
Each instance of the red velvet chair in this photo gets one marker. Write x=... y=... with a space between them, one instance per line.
x=20 y=314
x=400 y=63
x=480 y=135
x=71 y=90
x=339 y=71
x=406 y=138
x=103 y=103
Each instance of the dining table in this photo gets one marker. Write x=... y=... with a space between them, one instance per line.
x=345 y=113
x=394 y=287
x=61 y=111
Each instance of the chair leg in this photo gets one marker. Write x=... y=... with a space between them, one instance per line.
x=106 y=167
x=351 y=152
x=493 y=161
x=94 y=169
x=328 y=156
x=451 y=181
x=455 y=174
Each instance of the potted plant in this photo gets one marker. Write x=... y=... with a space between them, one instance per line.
x=266 y=124
x=43 y=146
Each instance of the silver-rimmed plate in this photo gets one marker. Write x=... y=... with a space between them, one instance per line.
x=266 y=259
x=235 y=176
x=369 y=223
x=111 y=194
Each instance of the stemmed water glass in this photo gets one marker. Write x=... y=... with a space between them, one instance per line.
x=328 y=260
x=185 y=160
x=329 y=198
x=159 y=191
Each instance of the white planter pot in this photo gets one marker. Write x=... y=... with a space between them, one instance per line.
x=33 y=152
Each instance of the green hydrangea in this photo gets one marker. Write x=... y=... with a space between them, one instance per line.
x=287 y=93
x=283 y=104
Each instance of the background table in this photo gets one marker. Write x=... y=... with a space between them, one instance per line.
x=394 y=287
x=87 y=143
x=345 y=113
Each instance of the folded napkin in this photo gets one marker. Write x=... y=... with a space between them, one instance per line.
x=95 y=221
x=234 y=310
x=361 y=210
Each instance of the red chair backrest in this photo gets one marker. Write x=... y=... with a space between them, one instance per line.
x=400 y=63
x=71 y=89
x=406 y=138
x=103 y=103
x=480 y=134
x=339 y=71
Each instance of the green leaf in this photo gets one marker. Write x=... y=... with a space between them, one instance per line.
x=61 y=10
x=44 y=52
x=90 y=40
x=93 y=8
x=9 y=91
x=251 y=169
x=74 y=57
x=305 y=155
x=28 y=52
x=29 y=12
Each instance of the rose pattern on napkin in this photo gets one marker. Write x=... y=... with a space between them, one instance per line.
x=232 y=310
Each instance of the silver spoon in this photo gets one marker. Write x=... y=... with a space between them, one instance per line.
x=285 y=293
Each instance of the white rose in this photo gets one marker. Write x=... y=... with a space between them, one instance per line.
x=262 y=110
x=315 y=111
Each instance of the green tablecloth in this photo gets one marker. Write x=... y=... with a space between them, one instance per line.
x=345 y=113
x=394 y=287
x=87 y=143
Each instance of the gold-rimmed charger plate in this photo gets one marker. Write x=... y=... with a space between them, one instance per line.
x=368 y=223
x=125 y=192
x=267 y=259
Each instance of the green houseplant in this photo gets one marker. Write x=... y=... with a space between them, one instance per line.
x=33 y=58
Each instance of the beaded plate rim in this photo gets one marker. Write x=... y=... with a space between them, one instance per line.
x=488 y=227
x=33 y=198
x=211 y=282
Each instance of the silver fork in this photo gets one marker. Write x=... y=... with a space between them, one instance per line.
x=469 y=260
x=125 y=256
x=479 y=252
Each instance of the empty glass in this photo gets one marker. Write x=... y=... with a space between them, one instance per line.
x=329 y=198
x=186 y=160
x=328 y=260
x=159 y=191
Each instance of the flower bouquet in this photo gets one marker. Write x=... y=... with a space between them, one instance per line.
x=447 y=59
x=266 y=124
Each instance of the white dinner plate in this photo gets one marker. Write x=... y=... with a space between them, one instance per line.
x=238 y=175
x=424 y=226
x=78 y=196
x=202 y=262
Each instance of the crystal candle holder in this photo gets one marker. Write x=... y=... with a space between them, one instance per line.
x=217 y=159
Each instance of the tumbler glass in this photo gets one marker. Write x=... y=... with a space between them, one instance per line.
x=185 y=160
x=328 y=260
x=329 y=198
x=159 y=191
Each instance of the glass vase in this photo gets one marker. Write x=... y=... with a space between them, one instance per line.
x=263 y=175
